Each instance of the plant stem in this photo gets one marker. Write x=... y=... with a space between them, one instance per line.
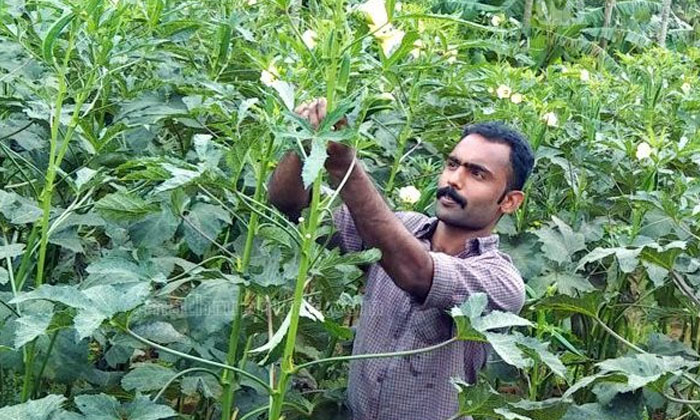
x=46 y=359
x=179 y=374
x=377 y=355
x=228 y=379
x=197 y=359
x=287 y=359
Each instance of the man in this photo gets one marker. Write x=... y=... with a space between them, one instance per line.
x=428 y=265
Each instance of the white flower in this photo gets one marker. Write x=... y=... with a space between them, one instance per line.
x=252 y=2
x=685 y=87
x=496 y=20
x=421 y=26
x=398 y=6
x=309 y=37
x=550 y=118
x=375 y=10
x=409 y=194
x=643 y=151
x=516 y=98
x=269 y=76
x=386 y=96
x=389 y=38
x=503 y=92
x=584 y=75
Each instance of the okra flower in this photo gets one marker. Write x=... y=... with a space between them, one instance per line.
x=409 y=194
x=503 y=92
x=550 y=118
x=309 y=37
x=685 y=87
x=516 y=98
x=269 y=76
x=584 y=75
x=375 y=10
x=496 y=20
x=389 y=38
x=643 y=151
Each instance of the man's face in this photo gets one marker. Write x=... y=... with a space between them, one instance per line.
x=475 y=176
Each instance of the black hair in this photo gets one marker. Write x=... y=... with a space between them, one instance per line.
x=521 y=158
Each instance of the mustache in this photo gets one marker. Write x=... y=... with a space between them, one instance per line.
x=452 y=194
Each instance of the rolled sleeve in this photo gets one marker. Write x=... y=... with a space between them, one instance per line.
x=455 y=279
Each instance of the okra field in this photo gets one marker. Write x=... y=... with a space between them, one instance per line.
x=144 y=275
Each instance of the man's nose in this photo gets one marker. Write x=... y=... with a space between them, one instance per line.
x=455 y=179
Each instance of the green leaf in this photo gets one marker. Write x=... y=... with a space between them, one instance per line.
x=550 y=409
x=406 y=46
x=204 y=223
x=142 y=408
x=108 y=300
x=627 y=407
x=98 y=406
x=122 y=206
x=154 y=229
x=147 y=377
x=663 y=345
x=160 y=332
x=106 y=407
x=31 y=326
x=560 y=246
x=477 y=400
x=627 y=258
x=314 y=162
x=11 y=251
x=286 y=92
x=276 y=338
x=178 y=177
x=506 y=347
x=205 y=384
x=567 y=283
x=113 y=270
x=497 y=319
x=210 y=306
x=642 y=369
x=541 y=351
x=41 y=409
x=67 y=295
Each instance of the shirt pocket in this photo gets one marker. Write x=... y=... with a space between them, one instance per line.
x=429 y=327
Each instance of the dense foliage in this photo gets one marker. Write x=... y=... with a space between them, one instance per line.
x=143 y=275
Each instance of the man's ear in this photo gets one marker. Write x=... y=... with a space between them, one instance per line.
x=511 y=201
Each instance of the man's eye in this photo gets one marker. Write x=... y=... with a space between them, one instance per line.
x=478 y=174
x=451 y=164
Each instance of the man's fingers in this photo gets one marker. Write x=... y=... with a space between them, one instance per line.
x=321 y=109
x=313 y=114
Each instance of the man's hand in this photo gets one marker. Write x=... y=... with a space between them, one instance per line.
x=340 y=156
x=314 y=112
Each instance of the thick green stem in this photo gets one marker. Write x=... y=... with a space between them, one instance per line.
x=228 y=378
x=287 y=359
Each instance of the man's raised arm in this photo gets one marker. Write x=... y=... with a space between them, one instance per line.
x=286 y=190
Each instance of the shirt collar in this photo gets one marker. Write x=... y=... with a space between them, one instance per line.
x=481 y=244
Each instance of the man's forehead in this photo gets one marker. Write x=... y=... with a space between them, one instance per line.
x=476 y=149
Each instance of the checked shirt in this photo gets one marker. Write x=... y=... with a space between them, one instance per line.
x=418 y=386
